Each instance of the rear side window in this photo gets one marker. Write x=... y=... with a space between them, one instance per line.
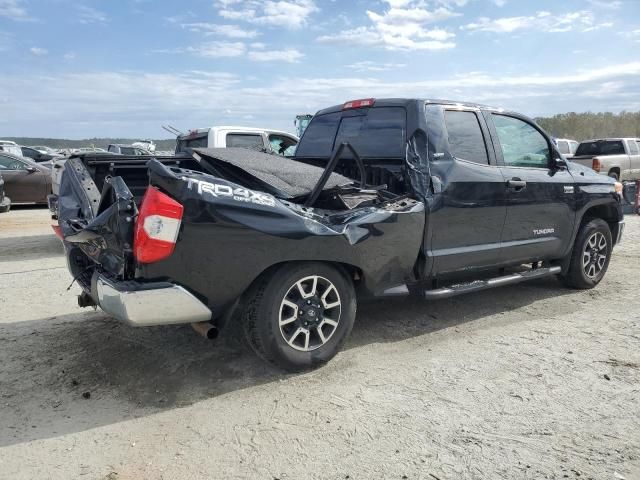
x=112 y=148
x=466 y=141
x=373 y=132
x=563 y=146
x=127 y=150
x=633 y=147
x=253 y=142
x=601 y=147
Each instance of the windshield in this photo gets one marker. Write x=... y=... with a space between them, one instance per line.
x=373 y=132
x=601 y=147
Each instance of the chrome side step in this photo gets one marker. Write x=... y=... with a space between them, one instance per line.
x=478 y=285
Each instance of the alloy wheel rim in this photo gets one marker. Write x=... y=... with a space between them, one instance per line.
x=309 y=313
x=594 y=255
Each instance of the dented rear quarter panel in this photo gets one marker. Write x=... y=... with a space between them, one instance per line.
x=230 y=235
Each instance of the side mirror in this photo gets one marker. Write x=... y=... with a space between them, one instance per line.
x=31 y=169
x=560 y=162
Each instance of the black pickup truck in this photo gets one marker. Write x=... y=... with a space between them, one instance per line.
x=384 y=197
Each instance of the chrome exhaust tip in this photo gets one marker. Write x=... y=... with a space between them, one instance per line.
x=206 y=329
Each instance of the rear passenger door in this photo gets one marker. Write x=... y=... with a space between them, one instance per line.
x=540 y=196
x=468 y=209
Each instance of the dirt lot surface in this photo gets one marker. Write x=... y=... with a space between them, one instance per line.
x=526 y=382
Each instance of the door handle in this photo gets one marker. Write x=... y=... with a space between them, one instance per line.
x=516 y=184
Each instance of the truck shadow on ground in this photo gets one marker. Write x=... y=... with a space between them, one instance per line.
x=31 y=247
x=47 y=365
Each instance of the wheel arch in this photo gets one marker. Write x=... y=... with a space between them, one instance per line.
x=350 y=271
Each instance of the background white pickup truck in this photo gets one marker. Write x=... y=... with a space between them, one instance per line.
x=272 y=141
x=618 y=158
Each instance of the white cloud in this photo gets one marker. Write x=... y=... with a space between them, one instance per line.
x=218 y=49
x=542 y=21
x=500 y=3
x=231 y=31
x=255 y=52
x=291 y=14
x=13 y=9
x=69 y=56
x=38 y=52
x=608 y=4
x=369 y=66
x=403 y=26
x=290 y=55
x=88 y=15
x=137 y=103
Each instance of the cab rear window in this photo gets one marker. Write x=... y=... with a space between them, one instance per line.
x=374 y=133
x=200 y=141
x=601 y=147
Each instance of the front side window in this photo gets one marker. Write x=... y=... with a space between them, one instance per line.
x=633 y=147
x=282 y=145
x=563 y=146
x=466 y=141
x=127 y=151
x=522 y=144
x=9 y=163
x=242 y=140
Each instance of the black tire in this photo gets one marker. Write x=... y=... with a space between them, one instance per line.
x=269 y=300
x=577 y=275
x=614 y=175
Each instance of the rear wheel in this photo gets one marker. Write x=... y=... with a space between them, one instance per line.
x=300 y=315
x=614 y=175
x=590 y=256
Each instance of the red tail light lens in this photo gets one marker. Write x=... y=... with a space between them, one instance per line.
x=595 y=164
x=157 y=226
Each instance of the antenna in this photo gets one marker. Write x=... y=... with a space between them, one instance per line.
x=172 y=130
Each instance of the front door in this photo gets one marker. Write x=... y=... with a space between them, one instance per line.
x=22 y=182
x=539 y=195
x=467 y=210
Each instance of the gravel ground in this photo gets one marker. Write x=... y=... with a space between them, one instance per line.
x=525 y=382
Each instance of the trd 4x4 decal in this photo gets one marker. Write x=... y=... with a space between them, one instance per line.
x=238 y=194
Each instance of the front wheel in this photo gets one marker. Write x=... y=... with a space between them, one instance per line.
x=299 y=316
x=590 y=255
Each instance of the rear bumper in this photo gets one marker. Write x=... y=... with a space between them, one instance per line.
x=148 y=304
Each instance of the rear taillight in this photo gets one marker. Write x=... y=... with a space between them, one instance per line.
x=365 y=102
x=595 y=164
x=157 y=226
x=58 y=231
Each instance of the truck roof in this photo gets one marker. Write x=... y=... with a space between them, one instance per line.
x=404 y=102
x=238 y=129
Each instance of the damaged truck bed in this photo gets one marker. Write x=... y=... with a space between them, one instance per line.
x=380 y=200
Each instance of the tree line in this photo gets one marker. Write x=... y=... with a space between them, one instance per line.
x=164 y=144
x=583 y=126
x=577 y=126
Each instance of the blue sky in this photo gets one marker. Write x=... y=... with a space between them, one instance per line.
x=84 y=68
